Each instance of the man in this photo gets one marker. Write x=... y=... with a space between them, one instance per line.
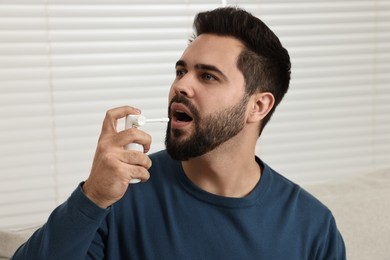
x=208 y=196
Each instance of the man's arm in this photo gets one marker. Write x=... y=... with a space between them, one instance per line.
x=333 y=243
x=68 y=233
x=70 y=230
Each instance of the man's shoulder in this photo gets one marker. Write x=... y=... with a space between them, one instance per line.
x=160 y=155
x=303 y=200
x=163 y=165
x=162 y=159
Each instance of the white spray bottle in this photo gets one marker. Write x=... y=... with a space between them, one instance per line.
x=136 y=121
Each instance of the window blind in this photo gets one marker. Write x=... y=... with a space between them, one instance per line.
x=335 y=120
x=64 y=63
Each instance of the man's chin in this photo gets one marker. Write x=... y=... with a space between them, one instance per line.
x=177 y=134
x=179 y=147
x=176 y=154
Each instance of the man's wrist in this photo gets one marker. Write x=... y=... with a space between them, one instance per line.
x=87 y=191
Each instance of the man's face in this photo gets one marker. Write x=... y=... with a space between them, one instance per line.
x=207 y=99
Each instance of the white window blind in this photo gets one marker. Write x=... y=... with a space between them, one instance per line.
x=335 y=121
x=64 y=63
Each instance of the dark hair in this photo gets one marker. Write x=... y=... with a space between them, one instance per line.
x=264 y=62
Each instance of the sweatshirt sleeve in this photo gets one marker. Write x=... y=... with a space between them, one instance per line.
x=333 y=243
x=69 y=233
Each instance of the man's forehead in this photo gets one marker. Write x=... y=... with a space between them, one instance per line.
x=212 y=50
x=216 y=41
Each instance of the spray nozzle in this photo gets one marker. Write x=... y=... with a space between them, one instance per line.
x=139 y=120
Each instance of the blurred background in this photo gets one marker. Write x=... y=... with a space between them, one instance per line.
x=63 y=63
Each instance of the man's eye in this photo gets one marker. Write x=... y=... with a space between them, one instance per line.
x=180 y=73
x=208 y=77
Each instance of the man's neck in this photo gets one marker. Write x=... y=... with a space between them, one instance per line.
x=229 y=170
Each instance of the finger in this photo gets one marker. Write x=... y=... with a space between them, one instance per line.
x=133 y=135
x=135 y=158
x=112 y=116
x=135 y=172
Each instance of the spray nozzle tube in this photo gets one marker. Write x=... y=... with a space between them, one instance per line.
x=139 y=120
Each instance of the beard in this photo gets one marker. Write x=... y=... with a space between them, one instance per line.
x=210 y=131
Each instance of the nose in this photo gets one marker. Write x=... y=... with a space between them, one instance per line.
x=183 y=86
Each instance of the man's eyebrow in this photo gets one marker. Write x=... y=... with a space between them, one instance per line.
x=208 y=67
x=181 y=63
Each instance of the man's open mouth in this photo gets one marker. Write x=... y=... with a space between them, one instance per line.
x=181 y=116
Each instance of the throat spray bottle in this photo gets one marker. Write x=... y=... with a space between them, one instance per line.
x=136 y=121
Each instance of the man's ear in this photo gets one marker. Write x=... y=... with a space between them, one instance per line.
x=260 y=105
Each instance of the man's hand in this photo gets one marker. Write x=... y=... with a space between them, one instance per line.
x=113 y=167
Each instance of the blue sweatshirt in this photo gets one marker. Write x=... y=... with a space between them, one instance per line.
x=168 y=217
